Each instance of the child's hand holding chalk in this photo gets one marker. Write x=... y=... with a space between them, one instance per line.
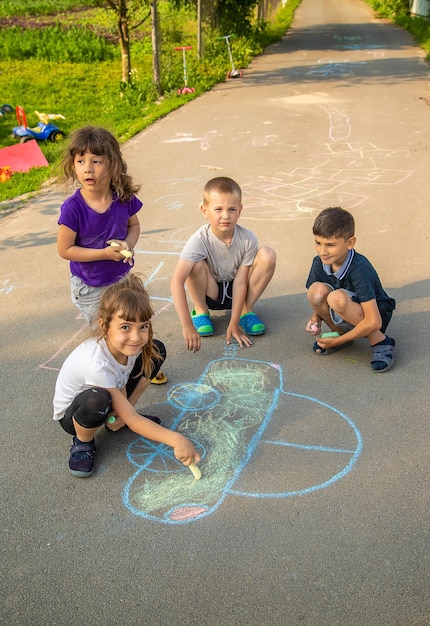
x=313 y=327
x=114 y=423
x=195 y=470
x=124 y=252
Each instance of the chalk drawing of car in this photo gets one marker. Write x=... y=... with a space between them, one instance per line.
x=225 y=414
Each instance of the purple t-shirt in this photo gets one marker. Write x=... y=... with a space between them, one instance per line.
x=93 y=230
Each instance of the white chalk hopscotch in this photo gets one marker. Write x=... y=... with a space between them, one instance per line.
x=340 y=172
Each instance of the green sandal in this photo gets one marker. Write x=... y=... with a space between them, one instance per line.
x=202 y=323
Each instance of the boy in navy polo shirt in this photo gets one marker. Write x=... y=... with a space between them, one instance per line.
x=345 y=292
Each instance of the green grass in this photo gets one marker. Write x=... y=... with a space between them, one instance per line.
x=11 y=8
x=83 y=83
x=398 y=12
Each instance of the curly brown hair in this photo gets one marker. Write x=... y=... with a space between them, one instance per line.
x=100 y=142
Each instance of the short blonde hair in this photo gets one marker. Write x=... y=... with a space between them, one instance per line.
x=221 y=184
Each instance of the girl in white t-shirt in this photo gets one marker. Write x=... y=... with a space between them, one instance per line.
x=102 y=379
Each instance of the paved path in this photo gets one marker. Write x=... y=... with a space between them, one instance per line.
x=313 y=506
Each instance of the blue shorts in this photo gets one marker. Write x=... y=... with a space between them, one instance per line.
x=385 y=313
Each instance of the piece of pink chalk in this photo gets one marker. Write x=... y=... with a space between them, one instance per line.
x=314 y=328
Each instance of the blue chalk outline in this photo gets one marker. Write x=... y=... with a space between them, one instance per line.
x=162 y=451
x=300 y=492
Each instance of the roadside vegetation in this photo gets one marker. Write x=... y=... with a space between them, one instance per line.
x=398 y=11
x=62 y=57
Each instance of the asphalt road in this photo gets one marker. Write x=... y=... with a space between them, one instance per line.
x=313 y=505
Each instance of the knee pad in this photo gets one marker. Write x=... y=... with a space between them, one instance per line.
x=92 y=407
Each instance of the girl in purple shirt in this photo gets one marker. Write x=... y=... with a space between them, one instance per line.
x=98 y=224
x=101 y=212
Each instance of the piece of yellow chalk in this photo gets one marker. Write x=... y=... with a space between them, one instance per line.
x=125 y=253
x=195 y=470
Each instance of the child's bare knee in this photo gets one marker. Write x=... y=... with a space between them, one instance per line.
x=318 y=294
x=338 y=300
x=266 y=256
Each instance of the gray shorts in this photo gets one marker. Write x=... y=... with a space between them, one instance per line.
x=337 y=319
x=86 y=298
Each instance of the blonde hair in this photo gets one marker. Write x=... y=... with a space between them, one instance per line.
x=221 y=184
x=100 y=142
x=129 y=299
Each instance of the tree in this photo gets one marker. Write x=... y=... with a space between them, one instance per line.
x=229 y=16
x=235 y=16
x=156 y=76
x=130 y=15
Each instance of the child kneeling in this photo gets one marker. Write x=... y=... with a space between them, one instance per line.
x=105 y=376
x=222 y=268
x=345 y=292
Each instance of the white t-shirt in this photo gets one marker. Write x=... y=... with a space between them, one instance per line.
x=223 y=259
x=91 y=364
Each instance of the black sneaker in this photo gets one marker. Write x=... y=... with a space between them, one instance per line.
x=81 y=460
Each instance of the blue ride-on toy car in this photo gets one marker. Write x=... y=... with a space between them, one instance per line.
x=44 y=131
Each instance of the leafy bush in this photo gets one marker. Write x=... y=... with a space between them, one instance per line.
x=398 y=11
x=420 y=29
x=390 y=8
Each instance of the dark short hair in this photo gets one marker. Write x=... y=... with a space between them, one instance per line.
x=221 y=184
x=334 y=222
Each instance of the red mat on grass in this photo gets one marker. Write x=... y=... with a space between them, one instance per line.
x=23 y=156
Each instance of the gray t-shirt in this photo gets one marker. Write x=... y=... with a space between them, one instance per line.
x=223 y=259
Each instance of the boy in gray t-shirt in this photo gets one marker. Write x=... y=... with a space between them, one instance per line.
x=222 y=268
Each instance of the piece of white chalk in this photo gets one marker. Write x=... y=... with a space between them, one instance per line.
x=125 y=253
x=195 y=470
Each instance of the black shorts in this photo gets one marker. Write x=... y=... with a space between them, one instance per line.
x=225 y=297
x=386 y=312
